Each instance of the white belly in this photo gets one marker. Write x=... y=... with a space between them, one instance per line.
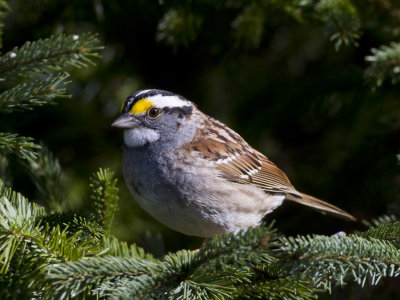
x=194 y=204
x=211 y=213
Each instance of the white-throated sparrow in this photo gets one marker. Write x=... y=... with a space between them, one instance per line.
x=196 y=175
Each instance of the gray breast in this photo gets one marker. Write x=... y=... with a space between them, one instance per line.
x=171 y=192
x=192 y=199
x=144 y=174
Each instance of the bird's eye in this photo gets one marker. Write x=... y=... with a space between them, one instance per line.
x=153 y=112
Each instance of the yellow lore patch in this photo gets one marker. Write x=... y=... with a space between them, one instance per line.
x=141 y=106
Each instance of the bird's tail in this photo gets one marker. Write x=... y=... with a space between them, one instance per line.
x=320 y=205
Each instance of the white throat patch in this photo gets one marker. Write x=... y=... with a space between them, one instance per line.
x=137 y=137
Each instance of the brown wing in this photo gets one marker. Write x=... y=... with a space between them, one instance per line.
x=245 y=165
x=237 y=160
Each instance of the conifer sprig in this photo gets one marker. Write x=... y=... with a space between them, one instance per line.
x=389 y=231
x=17 y=224
x=88 y=234
x=21 y=146
x=4 y=10
x=76 y=277
x=229 y=260
x=114 y=247
x=180 y=26
x=46 y=174
x=280 y=288
x=104 y=196
x=384 y=64
x=26 y=95
x=29 y=244
x=340 y=17
x=54 y=53
x=335 y=259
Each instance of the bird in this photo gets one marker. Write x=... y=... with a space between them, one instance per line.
x=194 y=174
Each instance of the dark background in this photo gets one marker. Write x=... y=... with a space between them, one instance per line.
x=292 y=96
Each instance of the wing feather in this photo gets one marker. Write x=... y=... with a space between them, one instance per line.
x=239 y=162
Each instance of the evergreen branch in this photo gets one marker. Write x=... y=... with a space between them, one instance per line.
x=28 y=248
x=182 y=25
x=105 y=270
x=90 y=232
x=60 y=245
x=381 y=220
x=86 y=230
x=384 y=65
x=341 y=20
x=115 y=247
x=26 y=95
x=280 y=288
x=210 y=286
x=229 y=258
x=48 y=178
x=76 y=277
x=245 y=248
x=4 y=10
x=15 y=284
x=21 y=207
x=154 y=284
x=38 y=250
x=18 y=145
x=335 y=259
x=105 y=196
x=182 y=273
x=389 y=232
x=54 y=53
x=17 y=224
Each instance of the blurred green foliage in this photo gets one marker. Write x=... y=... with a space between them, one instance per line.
x=290 y=76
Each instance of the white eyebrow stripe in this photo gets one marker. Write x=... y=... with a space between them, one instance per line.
x=142 y=92
x=171 y=101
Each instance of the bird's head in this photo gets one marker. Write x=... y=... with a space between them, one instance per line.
x=156 y=116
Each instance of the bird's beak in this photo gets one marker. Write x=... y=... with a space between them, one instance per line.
x=125 y=121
